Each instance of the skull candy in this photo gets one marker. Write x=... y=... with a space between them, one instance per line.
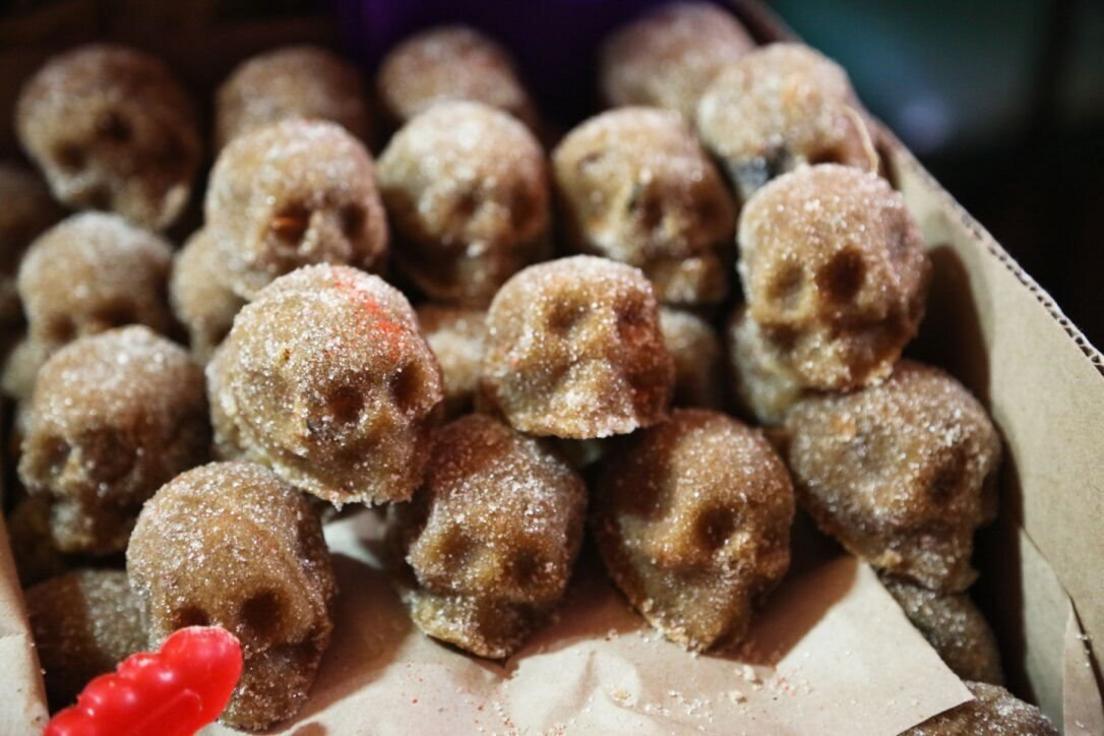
x=290 y=194
x=692 y=519
x=574 y=350
x=490 y=538
x=326 y=379
x=200 y=300
x=28 y=210
x=112 y=130
x=112 y=418
x=231 y=545
x=638 y=188
x=456 y=336
x=835 y=274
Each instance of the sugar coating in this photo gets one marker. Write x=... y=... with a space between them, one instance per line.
x=778 y=108
x=199 y=296
x=834 y=272
x=113 y=416
x=637 y=187
x=692 y=518
x=111 y=129
x=668 y=57
x=21 y=366
x=901 y=473
x=290 y=194
x=84 y=623
x=291 y=82
x=450 y=63
x=491 y=536
x=954 y=627
x=574 y=350
x=696 y=351
x=993 y=712
x=326 y=379
x=90 y=273
x=28 y=211
x=231 y=545
x=764 y=385
x=36 y=556
x=457 y=336
x=466 y=189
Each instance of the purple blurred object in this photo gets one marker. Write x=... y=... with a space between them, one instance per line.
x=553 y=41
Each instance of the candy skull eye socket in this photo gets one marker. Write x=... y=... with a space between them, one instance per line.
x=714 y=526
x=107 y=455
x=352 y=220
x=842 y=277
x=406 y=387
x=290 y=224
x=787 y=286
x=70 y=156
x=522 y=206
x=345 y=405
x=189 y=616
x=261 y=615
x=525 y=569
x=55 y=454
x=114 y=127
x=563 y=315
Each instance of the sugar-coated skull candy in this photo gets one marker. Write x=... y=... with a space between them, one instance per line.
x=450 y=63
x=457 y=337
x=901 y=473
x=113 y=416
x=781 y=107
x=231 y=545
x=34 y=552
x=692 y=518
x=466 y=188
x=199 y=297
x=574 y=350
x=994 y=712
x=290 y=194
x=696 y=351
x=326 y=379
x=490 y=538
x=291 y=82
x=638 y=188
x=668 y=57
x=28 y=210
x=84 y=623
x=764 y=385
x=834 y=272
x=112 y=130
x=954 y=627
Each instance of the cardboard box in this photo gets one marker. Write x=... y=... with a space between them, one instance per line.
x=992 y=326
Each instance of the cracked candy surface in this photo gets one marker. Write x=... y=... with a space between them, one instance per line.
x=574 y=350
x=668 y=57
x=84 y=623
x=230 y=544
x=696 y=351
x=491 y=537
x=778 y=108
x=451 y=63
x=638 y=188
x=113 y=416
x=457 y=336
x=692 y=518
x=901 y=473
x=466 y=188
x=291 y=194
x=200 y=299
x=954 y=627
x=326 y=378
x=834 y=273
x=300 y=81
x=993 y=712
x=111 y=129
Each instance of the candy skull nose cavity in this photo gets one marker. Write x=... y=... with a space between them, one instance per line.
x=290 y=224
x=70 y=156
x=261 y=616
x=187 y=616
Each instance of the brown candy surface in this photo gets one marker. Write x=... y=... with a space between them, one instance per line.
x=230 y=544
x=450 y=63
x=457 y=336
x=466 y=188
x=491 y=537
x=326 y=379
x=638 y=188
x=692 y=518
x=901 y=473
x=290 y=194
x=834 y=273
x=696 y=351
x=668 y=57
x=574 y=350
x=778 y=108
x=84 y=623
x=993 y=712
x=112 y=130
x=291 y=82
x=28 y=211
x=199 y=297
x=763 y=383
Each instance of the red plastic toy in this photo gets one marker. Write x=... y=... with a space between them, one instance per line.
x=173 y=692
